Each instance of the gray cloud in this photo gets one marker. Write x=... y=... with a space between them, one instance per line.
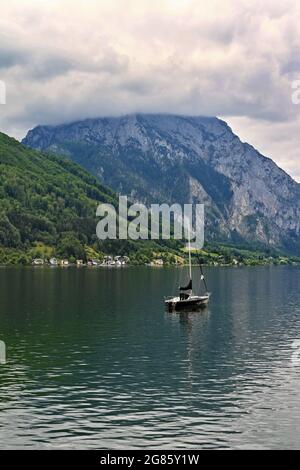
x=9 y=58
x=233 y=59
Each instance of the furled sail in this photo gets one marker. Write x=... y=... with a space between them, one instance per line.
x=188 y=287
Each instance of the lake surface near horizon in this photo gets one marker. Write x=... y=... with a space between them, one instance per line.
x=95 y=362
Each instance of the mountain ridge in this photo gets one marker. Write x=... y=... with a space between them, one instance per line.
x=48 y=209
x=173 y=158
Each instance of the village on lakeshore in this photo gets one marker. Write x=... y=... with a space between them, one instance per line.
x=108 y=261
x=116 y=261
x=124 y=261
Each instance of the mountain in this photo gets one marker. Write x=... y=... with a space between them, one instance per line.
x=46 y=200
x=48 y=208
x=168 y=158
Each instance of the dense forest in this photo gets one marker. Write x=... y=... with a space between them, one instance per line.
x=48 y=208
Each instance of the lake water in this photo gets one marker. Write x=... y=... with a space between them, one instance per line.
x=94 y=361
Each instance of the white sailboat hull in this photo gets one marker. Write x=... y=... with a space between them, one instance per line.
x=193 y=301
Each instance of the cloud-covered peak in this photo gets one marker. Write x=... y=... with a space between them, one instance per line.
x=69 y=60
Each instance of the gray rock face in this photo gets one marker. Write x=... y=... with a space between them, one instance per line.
x=167 y=158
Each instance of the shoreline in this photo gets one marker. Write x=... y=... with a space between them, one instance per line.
x=167 y=266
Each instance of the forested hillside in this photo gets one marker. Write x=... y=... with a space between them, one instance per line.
x=48 y=206
x=47 y=203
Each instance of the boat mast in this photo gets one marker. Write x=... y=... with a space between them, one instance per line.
x=190 y=260
x=202 y=277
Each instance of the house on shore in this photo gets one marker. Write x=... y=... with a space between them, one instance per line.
x=64 y=262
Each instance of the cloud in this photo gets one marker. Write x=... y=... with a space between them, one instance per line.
x=277 y=140
x=65 y=60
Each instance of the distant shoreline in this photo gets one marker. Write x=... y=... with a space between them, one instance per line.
x=166 y=266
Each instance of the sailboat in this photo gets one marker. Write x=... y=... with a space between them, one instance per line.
x=186 y=298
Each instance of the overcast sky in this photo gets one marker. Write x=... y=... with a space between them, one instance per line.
x=65 y=60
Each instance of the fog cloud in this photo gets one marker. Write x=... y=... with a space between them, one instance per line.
x=66 y=60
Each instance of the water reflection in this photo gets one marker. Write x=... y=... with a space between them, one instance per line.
x=94 y=361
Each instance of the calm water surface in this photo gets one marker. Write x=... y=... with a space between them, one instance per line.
x=94 y=361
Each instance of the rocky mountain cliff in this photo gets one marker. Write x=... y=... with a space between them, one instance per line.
x=167 y=158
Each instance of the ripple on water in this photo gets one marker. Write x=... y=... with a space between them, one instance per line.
x=86 y=370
